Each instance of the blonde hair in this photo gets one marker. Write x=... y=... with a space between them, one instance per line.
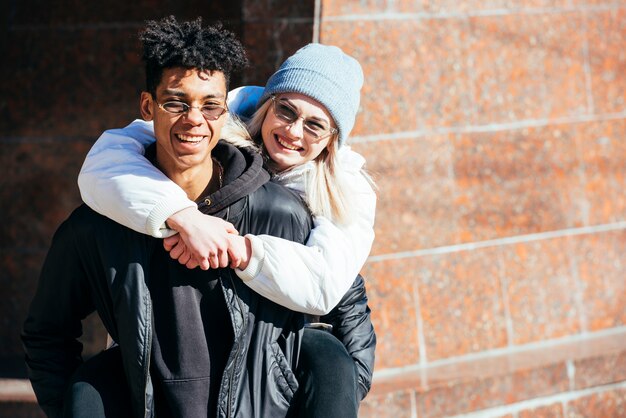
x=235 y=133
x=326 y=190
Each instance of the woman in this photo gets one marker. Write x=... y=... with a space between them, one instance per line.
x=304 y=116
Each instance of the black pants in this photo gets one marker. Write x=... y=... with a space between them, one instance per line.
x=99 y=388
x=327 y=379
x=326 y=376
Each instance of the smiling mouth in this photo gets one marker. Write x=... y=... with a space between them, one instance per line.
x=190 y=139
x=287 y=145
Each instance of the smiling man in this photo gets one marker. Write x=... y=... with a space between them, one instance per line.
x=190 y=343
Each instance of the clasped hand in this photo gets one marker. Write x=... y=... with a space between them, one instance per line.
x=206 y=241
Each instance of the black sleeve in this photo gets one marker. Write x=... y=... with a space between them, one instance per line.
x=352 y=325
x=53 y=323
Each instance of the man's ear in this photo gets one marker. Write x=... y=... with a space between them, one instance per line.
x=146 y=106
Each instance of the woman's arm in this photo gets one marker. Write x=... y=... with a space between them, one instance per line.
x=117 y=181
x=313 y=278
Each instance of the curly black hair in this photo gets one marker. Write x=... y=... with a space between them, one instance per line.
x=168 y=43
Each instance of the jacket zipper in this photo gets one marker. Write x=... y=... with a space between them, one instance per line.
x=147 y=356
x=232 y=372
x=229 y=411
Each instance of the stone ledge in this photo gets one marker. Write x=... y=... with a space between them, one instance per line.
x=503 y=377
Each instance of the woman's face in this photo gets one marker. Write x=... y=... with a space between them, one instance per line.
x=303 y=139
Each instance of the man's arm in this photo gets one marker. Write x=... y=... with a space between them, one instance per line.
x=54 y=322
x=119 y=182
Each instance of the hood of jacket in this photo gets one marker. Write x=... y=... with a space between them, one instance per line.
x=243 y=174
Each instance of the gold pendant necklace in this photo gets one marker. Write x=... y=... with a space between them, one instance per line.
x=220 y=179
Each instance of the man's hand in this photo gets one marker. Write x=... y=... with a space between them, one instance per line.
x=202 y=240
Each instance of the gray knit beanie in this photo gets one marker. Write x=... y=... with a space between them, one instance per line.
x=324 y=73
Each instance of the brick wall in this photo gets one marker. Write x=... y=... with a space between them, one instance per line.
x=495 y=131
x=497 y=135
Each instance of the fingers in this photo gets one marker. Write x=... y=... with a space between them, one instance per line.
x=177 y=250
x=170 y=242
x=181 y=253
x=213 y=261
x=237 y=252
x=235 y=259
x=192 y=264
x=223 y=259
x=185 y=257
x=204 y=264
x=230 y=228
x=218 y=258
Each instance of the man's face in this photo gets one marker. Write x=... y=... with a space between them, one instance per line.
x=185 y=140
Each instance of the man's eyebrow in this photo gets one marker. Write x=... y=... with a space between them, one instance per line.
x=181 y=94
x=215 y=96
x=177 y=93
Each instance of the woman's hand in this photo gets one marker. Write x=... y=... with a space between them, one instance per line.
x=240 y=251
x=179 y=251
x=202 y=240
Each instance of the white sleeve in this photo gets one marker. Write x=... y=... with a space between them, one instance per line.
x=313 y=278
x=117 y=181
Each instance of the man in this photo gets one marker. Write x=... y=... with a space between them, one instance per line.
x=192 y=343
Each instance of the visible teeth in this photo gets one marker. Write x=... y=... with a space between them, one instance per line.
x=190 y=138
x=287 y=145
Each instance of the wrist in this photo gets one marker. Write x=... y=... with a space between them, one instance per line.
x=245 y=261
x=155 y=222
x=180 y=219
x=256 y=256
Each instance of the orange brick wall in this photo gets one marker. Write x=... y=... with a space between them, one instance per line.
x=496 y=131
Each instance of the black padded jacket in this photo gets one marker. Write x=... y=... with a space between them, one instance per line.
x=96 y=264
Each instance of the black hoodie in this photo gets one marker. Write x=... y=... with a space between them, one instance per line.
x=193 y=336
x=201 y=341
